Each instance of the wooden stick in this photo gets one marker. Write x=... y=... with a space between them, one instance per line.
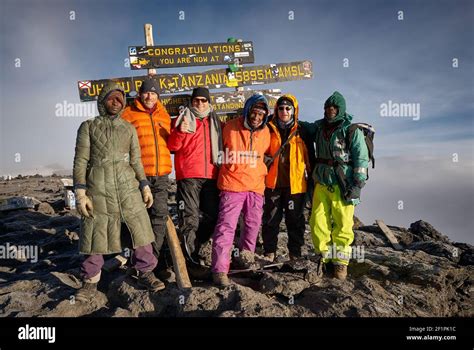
x=179 y=263
x=388 y=233
x=149 y=42
x=114 y=263
x=260 y=269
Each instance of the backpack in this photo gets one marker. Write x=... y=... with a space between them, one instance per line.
x=369 y=134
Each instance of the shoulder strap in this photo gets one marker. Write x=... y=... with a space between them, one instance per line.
x=349 y=135
x=277 y=154
x=368 y=140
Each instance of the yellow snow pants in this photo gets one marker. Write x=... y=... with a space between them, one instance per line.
x=331 y=224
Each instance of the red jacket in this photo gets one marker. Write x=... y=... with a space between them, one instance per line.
x=192 y=152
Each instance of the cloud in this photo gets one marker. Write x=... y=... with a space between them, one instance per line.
x=433 y=189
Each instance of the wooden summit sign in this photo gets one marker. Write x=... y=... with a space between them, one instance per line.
x=212 y=79
x=147 y=57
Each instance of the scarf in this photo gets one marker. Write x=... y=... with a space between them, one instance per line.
x=191 y=114
x=330 y=127
x=198 y=114
x=285 y=125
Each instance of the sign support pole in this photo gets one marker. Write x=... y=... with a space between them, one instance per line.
x=179 y=263
x=149 y=42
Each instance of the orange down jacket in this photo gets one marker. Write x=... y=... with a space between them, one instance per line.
x=299 y=160
x=243 y=168
x=153 y=130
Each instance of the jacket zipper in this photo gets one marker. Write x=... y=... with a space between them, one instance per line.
x=115 y=170
x=116 y=190
x=205 y=149
x=277 y=132
x=251 y=139
x=156 y=142
x=288 y=144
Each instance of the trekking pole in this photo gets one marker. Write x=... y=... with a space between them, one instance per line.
x=261 y=269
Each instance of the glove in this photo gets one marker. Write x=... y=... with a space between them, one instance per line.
x=184 y=126
x=359 y=183
x=354 y=191
x=147 y=196
x=84 y=203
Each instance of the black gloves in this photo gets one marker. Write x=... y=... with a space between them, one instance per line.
x=354 y=191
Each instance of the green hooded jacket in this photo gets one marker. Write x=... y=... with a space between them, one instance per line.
x=107 y=163
x=355 y=161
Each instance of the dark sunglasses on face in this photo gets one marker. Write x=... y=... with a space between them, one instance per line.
x=282 y=108
x=200 y=100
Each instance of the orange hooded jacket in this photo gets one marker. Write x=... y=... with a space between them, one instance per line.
x=243 y=168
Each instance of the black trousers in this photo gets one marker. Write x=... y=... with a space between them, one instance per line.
x=198 y=207
x=278 y=201
x=159 y=210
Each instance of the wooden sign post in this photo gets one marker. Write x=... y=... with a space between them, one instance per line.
x=149 y=42
x=212 y=79
x=179 y=263
x=145 y=57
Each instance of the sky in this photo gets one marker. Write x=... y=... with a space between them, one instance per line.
x=363 y=49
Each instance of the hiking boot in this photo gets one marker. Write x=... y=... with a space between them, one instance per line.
x=199 y=272
x=149 y=281
x=340 y=272
x=270 y=257
x=245 y=259
x=86 y=293
x=220 y=279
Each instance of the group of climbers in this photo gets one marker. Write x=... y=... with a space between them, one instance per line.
x=257 y=167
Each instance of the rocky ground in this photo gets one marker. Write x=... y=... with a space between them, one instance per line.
x=429 y=276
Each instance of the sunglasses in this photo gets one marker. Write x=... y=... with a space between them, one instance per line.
x=200 y=100
x=283 y=108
